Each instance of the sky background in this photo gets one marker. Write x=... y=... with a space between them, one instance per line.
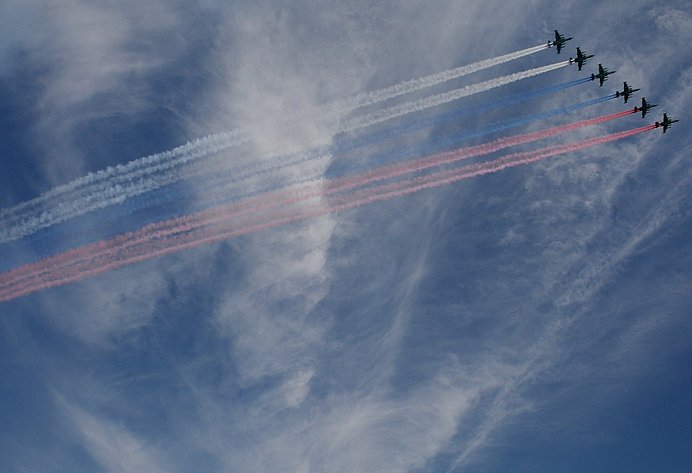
x=533 y=320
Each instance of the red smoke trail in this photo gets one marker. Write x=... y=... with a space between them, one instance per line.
x=157 y=247
x=283 y=197
x=395 y=170
x=438 y=179
x=98 y=249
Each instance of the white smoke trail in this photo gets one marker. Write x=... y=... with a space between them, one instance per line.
x=111 y=190
x=181 y=154
x=371 y=98
x=395 y=111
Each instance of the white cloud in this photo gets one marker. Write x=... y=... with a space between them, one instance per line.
x=115 y=448
x=674 y=21
x=96 y=310
x=91 y=60
x=18 y=25
x=294 y=415
x=268 y=314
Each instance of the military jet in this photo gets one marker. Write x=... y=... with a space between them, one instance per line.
x=560 y=40
x=602 y=75
x=626 y=91
x=645 y=107
x=666 y=122
x=580 y=59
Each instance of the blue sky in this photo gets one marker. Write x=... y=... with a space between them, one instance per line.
x=531 y=320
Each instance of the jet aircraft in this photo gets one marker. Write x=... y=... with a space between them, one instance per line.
x=626 y=91
x=602 y=75
x=560 y=40
x=645 y=107
x=666 y=122
x=580 y=59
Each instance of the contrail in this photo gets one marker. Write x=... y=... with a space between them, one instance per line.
x=106 y=255
x=395 y=111
x=371 y=98
x=114 y=185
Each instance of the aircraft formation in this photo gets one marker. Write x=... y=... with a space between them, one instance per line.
x=581 y=58
x=141 y=219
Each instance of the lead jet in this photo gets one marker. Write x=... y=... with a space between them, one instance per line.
x=626 y=91
x=602 y=75
x=666 y=122
x=645 y=107
x=580 y=59
x=560 y=40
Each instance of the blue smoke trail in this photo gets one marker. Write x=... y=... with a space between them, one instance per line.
x=409 y=124
x=340 y=167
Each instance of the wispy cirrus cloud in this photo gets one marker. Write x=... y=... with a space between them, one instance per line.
x=116 y=449
x=88 y=61
x=401 y=337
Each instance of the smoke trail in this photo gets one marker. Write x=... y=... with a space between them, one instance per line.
x=371 y=98
x=149 y=250
x=108 y=190
x=114 y=254
x=395 y=111
x=320 y=189
x=99 y=189
x=221 y=176
x=458 y=113
x=185 y=152
x=288 y=196
x=440 y=178
x=388 y=172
